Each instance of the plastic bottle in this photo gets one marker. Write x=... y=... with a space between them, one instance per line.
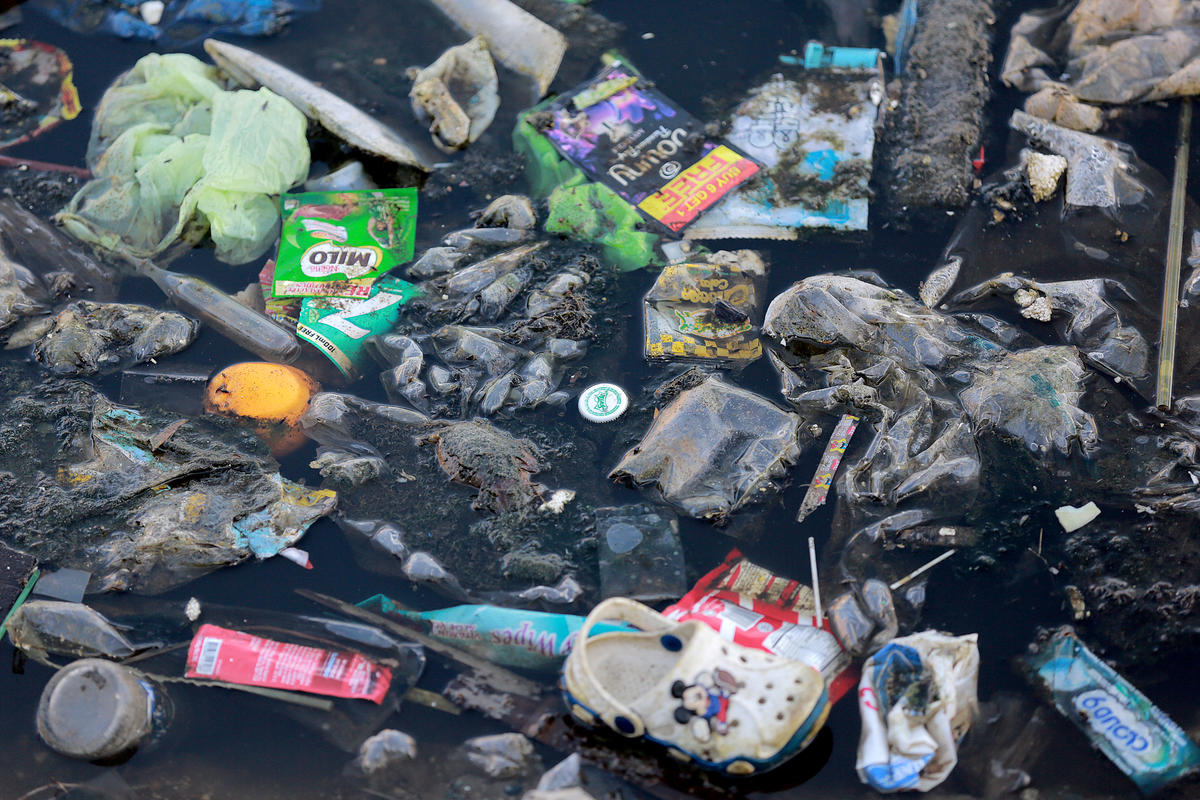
x=97 y=710
x=241 y=325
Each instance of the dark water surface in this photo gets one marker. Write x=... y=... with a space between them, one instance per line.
x=702 y=54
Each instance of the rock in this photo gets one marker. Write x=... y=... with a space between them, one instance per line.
x=1044 y=172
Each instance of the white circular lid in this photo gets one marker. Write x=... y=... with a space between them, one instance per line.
x=603 y=402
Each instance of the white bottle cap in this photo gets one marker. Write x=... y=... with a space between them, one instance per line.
x=603 y=402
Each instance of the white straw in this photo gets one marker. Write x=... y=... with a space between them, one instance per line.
x=816 y=586
x=919 y=570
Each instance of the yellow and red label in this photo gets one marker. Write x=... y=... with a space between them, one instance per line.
x=699 y=186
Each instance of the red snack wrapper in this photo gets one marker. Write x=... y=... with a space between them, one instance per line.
x=235 y=657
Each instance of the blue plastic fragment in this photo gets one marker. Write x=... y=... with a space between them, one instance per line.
x=183 y=21
x=904 y=34
x=818 y=56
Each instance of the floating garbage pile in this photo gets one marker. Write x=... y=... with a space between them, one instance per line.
x=581 y=453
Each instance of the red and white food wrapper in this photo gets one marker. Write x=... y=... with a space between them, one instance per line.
x=235 y=657
x=753 y=607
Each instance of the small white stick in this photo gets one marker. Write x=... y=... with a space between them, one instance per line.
x=919 y=570
x=816 y=585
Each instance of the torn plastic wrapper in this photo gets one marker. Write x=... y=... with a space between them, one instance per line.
x=715 y=448
x=36 y=89
x=831 y=459
x=511 y=637
x=1116 y=718
x=647 y=150
x=592 y=212
x=234 y=657
x=336 y=244
x=916 y=697
x=706 y=312
x=1099 y=172
x=814 y=133
x=753 y=607
x=277 y=527
x=457 y=95
x=340 y=327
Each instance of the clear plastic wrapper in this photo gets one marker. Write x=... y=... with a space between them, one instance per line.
x=641 y=556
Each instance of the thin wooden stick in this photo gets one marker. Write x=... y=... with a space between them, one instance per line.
x=44 y=166
x=1170 y=301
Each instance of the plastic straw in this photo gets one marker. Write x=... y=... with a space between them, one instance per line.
x=1170 y=302
x=816 y=584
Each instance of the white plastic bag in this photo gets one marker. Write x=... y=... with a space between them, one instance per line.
x=916 y=698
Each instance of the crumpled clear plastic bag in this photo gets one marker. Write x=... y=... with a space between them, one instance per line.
x=1032 y=396
x=1088 y=317
x=713 y=449
x=930 y=384
x=1108 y=51
x=141 y=505
x=174 y=155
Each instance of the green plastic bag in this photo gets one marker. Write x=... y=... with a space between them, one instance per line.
x=175 y=157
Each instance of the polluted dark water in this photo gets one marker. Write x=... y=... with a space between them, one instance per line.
x=946 y=434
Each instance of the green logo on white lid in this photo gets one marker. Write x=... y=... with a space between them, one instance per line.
x=603 y=402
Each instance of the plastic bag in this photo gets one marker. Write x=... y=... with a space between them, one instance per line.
x=715 y=448
x=142 y=512
x=916 y=698
x=174 y=155
x=1107 y=51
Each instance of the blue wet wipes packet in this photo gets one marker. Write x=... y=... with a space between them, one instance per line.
x=535 y=640
x=1118 y=719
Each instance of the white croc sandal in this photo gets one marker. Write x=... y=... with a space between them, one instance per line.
x=722 y=705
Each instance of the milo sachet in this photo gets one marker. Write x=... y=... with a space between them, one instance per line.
x=336 y=244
